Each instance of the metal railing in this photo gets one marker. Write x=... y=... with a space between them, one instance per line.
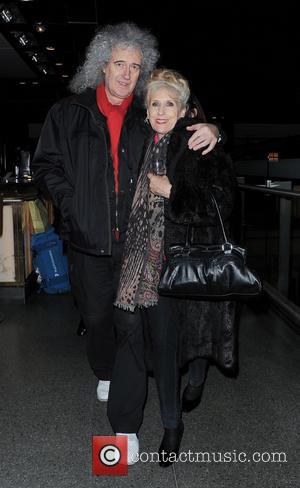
x=278 y=295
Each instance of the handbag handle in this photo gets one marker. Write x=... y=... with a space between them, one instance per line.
x=220 y=218
x=190 y=227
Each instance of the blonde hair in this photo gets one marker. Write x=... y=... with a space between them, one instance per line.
x=171 y=80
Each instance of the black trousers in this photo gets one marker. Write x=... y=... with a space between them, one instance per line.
x=128 y=388
x=94 y=281
x=129 y=382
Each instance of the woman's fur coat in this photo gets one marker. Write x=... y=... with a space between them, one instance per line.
x=207 y=329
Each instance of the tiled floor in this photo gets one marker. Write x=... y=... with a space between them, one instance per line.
x=49 y=410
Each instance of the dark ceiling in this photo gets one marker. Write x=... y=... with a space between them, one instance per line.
x=242 y=61
x=45 y=33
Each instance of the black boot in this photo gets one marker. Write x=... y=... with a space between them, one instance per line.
x=169 y=448
x=191 y=397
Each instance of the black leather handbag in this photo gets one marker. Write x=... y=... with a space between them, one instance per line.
x=208 y=272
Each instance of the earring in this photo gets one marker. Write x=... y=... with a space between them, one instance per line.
x=146 y=120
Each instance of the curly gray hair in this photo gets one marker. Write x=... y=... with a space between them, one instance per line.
x=98 y=53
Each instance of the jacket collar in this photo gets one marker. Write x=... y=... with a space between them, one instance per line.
x=88 y=100
x=185 y=122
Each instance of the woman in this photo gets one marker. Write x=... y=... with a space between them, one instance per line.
x=181 y=331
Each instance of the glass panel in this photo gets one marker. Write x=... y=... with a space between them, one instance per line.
x=260 y=234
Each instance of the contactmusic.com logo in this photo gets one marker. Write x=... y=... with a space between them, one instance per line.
x=110 y=455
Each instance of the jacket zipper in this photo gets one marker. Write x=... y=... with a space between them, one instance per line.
x=106 y=186
x=108 y=203
x=116 y=229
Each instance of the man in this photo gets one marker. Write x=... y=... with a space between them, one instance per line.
x=87 y=161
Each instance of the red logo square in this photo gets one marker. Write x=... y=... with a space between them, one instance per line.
x=110 y=455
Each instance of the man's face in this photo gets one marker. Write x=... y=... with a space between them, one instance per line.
x=121 y=73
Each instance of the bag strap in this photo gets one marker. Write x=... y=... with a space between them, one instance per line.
x=220 y=218
x=190 y=227
x=189 y=235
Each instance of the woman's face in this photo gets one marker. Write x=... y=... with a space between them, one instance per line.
x=163 y=110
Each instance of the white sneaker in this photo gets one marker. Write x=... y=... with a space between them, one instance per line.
x=133 y=448
x=103 y=390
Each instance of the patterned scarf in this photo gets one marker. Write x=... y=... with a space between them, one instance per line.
x=143 y=252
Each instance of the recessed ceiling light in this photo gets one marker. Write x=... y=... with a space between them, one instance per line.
x=50 y=48
x=34 y=82
x=39 y=27
x=23 y=40
x=6 y=15
x=59 y=64
x=22 y=82
x=65 y=76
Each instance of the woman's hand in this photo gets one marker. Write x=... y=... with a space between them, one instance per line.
x=204 y=135
x=159 y=185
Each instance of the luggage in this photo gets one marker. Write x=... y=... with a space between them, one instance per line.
x=49 y=262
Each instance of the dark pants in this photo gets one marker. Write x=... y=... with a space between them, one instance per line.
x=164 y=338
x=94 y=281
x=129 y=383
x=128 y=388
x=197 y=371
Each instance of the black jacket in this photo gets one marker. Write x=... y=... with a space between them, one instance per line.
x=72 y=164
x=207 y=329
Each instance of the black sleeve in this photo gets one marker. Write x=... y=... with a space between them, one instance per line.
x=222 y=135
x=48 y=162
x=195 y=179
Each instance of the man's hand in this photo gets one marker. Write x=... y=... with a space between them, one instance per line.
x=159 y=185
x=204 y=135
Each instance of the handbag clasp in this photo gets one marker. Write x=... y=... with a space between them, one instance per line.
x=227 y=247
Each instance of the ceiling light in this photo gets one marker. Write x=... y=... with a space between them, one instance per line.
x=22 y=82
x=65 y=76
x=34 y=82
x=39 y=27
x=43 y=69
x=50 y=48
x=59 y=63
x=6 y=15
x=34 y=57
x=23 y=40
